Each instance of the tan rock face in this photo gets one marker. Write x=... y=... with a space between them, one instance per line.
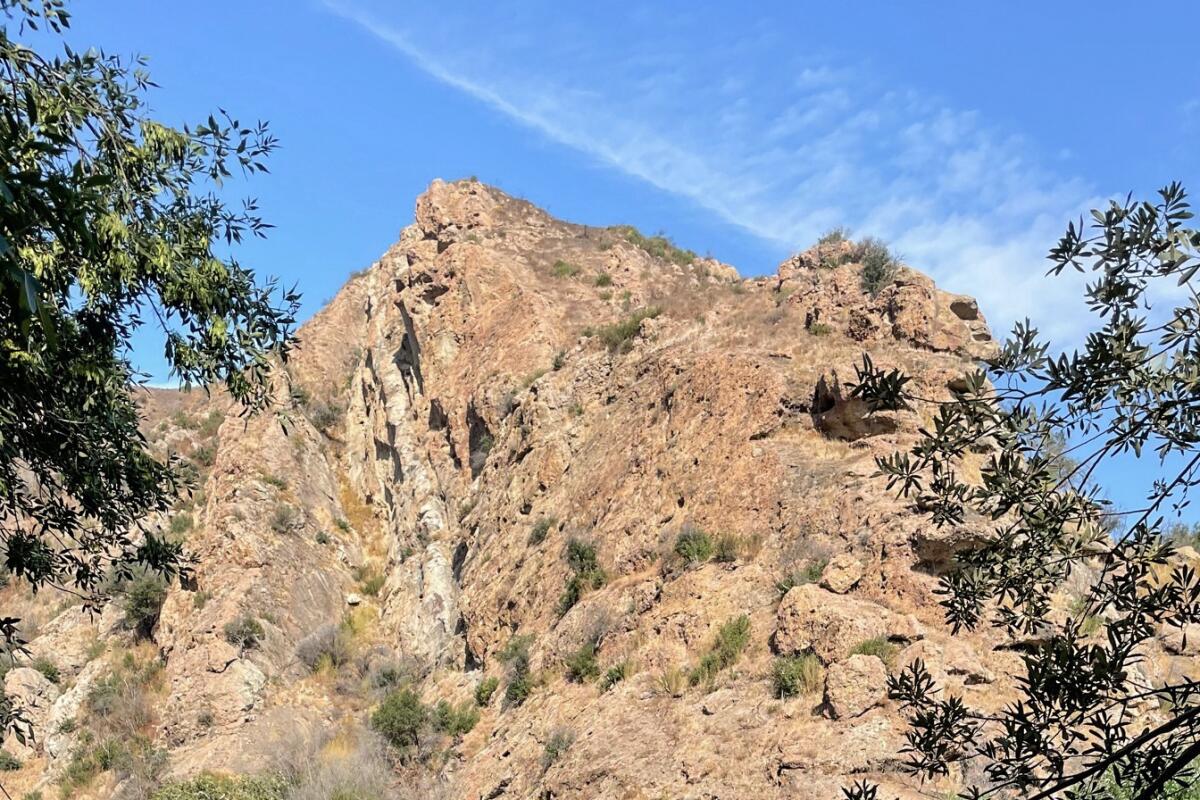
x=812 y=619
x=34 y=693
x=855 y=685
x=488 y=375
x=842 y=573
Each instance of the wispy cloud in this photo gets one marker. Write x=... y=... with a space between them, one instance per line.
x=783 y=147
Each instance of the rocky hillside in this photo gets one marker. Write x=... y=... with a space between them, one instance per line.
x=564 y=512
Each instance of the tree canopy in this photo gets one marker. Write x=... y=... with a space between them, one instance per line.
x=110 y=220
x=1045 y=424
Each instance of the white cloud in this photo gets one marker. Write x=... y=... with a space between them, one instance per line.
x=777 y=145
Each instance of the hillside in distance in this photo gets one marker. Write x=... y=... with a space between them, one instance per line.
x=565 y=512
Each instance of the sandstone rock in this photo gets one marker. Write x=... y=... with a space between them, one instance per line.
x=842 y=573
x=871 y=744
x=472 y=406
x=855 y=685
x=1183 y=641
x=31 y=691
x=936 y=545
x=813 y=619
x=66 y=710
x=951 y=662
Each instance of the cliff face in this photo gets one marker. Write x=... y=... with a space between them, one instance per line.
x=493 y=442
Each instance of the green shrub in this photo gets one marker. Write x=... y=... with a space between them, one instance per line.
x=565 y=269
x=658 y=246
x=484 y=691
x=274 y=480
x=731 y=639
x=244 y=633
x=516 y=648
x=329 y=645
x=880 y=647
x=118 y=701
x=399 y=718
x=371 y=581
x=582 y=664
x=604 y=279
x=48 y=669
x=343 y=524
x=557 y=745
x=211 y=423
x=455 y=720
x=560 y=359
x=142 y=601
x=878 y=266
x=794 y=676
x=181 y=524
x=820 y=329
x=727 y=548
x=323 y=414
x=614 y=675
x=322 y=537
x=532 y=378
x=520 y=684
x=9 y=762
x=834 y=236
x=541 y=529
x=225 y=787
x=618 y=337
x=581 y=558
x=693 y=545
x=810 y=573
x=205 y=455
x=285 y=517
x=182 y=420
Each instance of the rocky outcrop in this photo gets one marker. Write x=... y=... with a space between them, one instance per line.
x=499 y=385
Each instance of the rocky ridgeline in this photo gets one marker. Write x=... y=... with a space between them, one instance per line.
x=620 y=481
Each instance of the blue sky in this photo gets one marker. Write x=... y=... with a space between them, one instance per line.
x=965 y=134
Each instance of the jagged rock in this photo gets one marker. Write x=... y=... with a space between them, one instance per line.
x=66 y=711
x=842 y=573
x=855 y=685
x=473 y=402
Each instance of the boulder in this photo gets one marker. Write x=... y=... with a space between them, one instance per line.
x=842 y=573
x=855 y=685
x=828 y=624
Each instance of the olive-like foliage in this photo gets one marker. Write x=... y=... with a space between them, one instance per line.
x=1045 y=424
x=110 y=219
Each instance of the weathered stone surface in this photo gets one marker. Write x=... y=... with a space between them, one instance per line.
x=32 y=692
x=855 y=685
x=461 y=401
x=842 y=573
x=813 y=619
